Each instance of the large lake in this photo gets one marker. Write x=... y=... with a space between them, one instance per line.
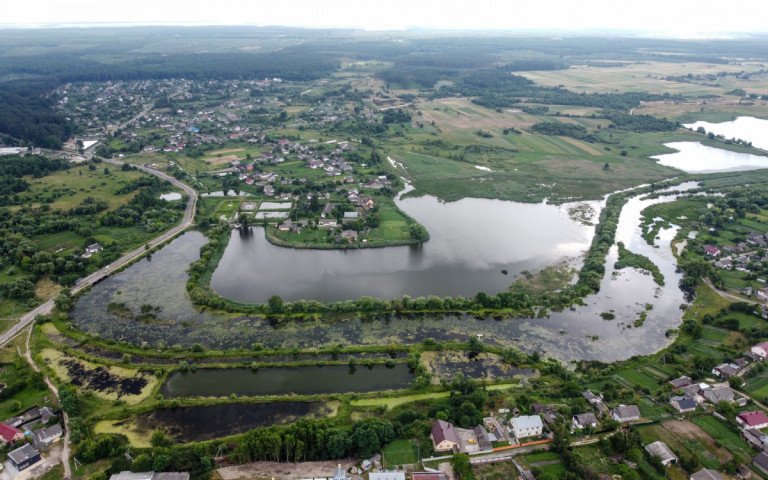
x=694 y=157
x=471 y=242
x=750 y=129
x=568 y=335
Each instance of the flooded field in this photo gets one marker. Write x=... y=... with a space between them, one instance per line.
x=189 y=424
x=569 y=335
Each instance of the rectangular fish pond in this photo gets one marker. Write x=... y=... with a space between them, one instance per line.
x=304 y=380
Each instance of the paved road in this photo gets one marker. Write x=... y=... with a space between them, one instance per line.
x=189 y=217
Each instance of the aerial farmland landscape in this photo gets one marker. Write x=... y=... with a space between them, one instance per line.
x=298 y=242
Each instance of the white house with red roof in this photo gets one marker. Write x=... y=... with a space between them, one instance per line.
x=756 y=419
x=761 y=350
x=711 y=250
x=9 y=434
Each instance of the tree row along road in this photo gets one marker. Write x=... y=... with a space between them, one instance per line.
x=95 y=277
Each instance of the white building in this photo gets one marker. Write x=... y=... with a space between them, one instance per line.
x=527 y=426
x=386 y=476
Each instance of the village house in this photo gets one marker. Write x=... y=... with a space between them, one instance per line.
x=707 y=474
x=373 y=462
x=349 y=235
x=527 y=426
x=48 y=435
x=327 y=223
x=385 y=475
x=726 y=370
x=9 y=434
x=24 y=456
x=92 y=249
x=626 y=413
x=681 y=382
x=711 y=250
x=350 y=217
x=762 y=294
x=366 y=202
x=695 y=390
x=761 y=350
x=661 y=451
x=30 y=415
x=269 y=190
x=444 y=438
x=722 y=393
x=756 y=419
x=327 y=210
x=683 y=404
x=757 y=438
x=584 y=420
x=761 y=462
x=593 y=399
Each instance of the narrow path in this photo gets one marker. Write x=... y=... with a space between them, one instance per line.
x=728 y=295
x=64 y=416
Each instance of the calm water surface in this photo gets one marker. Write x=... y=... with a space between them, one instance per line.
x=694 y=157
x=750 y=129
x=308 y=380
x=471 y=242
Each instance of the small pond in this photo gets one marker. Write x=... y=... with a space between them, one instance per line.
x=309 y=380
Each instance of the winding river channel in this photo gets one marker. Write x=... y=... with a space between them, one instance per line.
x=472 y=241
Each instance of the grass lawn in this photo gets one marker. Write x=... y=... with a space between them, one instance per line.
x=524 y=167
x=400 y=452
x=393 y=402
x=723 y=435
x=68 y=188
x=127 y=428
x=638 y=377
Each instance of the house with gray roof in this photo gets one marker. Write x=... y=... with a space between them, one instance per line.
x=24 y=456
x=584 y=420
x=707 y=474
x=661 y=451
x=683 y=404
x=761 y=462
x=626 y=413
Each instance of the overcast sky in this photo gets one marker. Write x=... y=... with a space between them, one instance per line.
x=683 y=18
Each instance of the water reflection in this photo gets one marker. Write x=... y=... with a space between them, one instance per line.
x=472 y=241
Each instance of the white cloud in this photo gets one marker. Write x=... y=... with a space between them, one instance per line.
x=676 y=17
